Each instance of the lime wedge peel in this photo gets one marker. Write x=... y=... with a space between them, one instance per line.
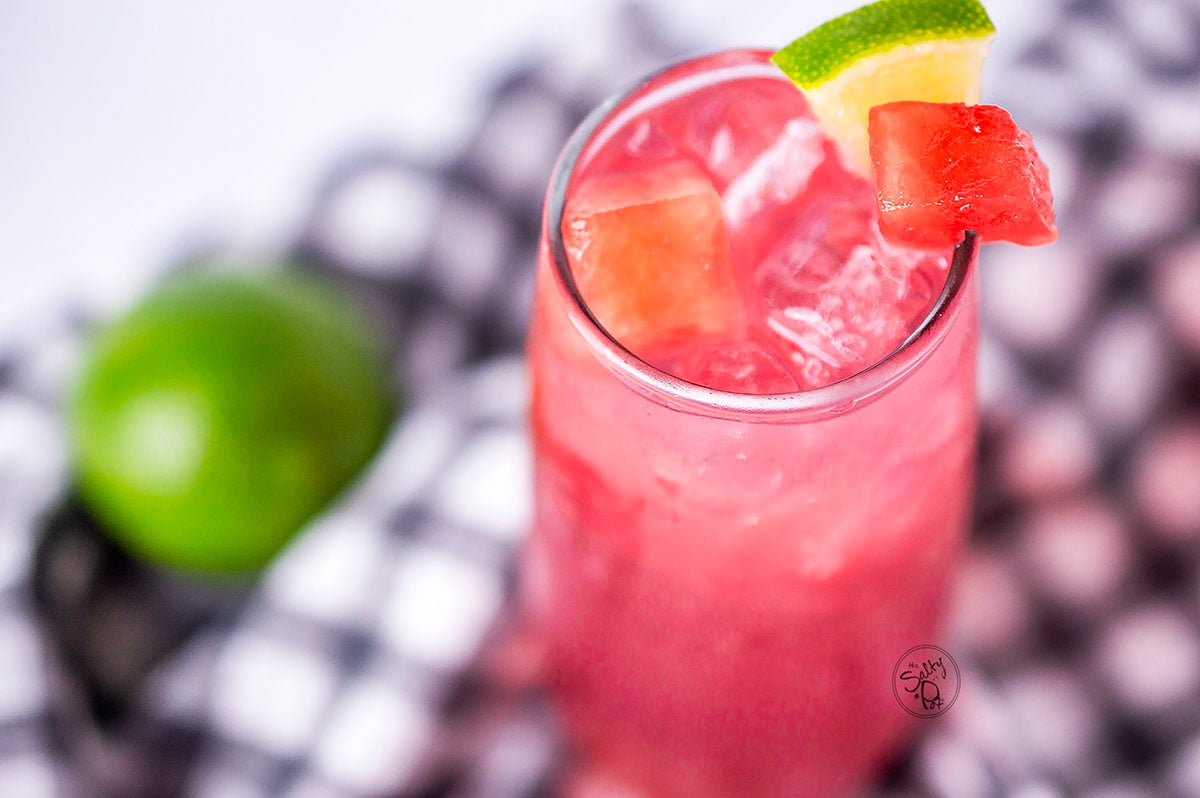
x=929 y=50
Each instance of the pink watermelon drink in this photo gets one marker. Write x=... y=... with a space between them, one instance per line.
x=754 y=423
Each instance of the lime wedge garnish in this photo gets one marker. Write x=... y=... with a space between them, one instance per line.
x=928 y=50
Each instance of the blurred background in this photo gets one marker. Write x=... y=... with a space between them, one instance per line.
x=401 y=155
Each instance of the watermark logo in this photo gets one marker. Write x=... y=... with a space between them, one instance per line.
x=925 y=681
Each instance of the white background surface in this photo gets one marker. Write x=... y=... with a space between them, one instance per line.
x=128 y=127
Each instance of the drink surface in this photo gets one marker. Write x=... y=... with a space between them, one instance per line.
x=717 y=235
x=724 y=598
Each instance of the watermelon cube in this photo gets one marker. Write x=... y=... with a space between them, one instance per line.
x=943 y=168
x=650 y=254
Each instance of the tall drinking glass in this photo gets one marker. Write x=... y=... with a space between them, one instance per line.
x=725 y=582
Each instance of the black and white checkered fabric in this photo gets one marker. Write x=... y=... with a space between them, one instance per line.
x=357 y=666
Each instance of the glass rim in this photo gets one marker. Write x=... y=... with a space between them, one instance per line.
x=834 y=398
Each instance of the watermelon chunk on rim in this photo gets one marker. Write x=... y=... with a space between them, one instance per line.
x=944 y=168
x=650 y=254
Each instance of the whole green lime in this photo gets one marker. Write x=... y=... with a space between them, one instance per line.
x=223 y=413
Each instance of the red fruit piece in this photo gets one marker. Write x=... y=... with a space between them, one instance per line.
x=650 y=254
x=943 y=168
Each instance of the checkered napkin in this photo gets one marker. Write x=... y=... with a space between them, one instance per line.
x=360 y=665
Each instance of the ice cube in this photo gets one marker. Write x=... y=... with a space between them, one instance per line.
x=837 y=316
x=923 y=285
x=851 y=224
x=729 y=129
x=797 y=271
x=796 y=191
x=779 y=174
x=647 y=139
x=726 y=364
x=649 y=252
